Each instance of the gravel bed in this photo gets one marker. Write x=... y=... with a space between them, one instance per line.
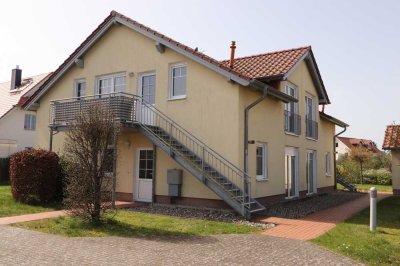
x=209 y=214
x=300 y=208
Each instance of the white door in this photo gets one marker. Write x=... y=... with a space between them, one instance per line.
x=147 y=90
x=292 y=172
x=311 y=172
x=144 y=175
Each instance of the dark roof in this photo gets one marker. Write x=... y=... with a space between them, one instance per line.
x=392 y=138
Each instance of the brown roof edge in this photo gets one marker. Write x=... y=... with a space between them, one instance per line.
x=333 y=120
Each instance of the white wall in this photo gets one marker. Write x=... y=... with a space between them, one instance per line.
x=13 y=136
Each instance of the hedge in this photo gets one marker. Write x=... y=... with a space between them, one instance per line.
x=36 y=176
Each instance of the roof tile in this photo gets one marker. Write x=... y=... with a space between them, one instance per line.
x=392 y=138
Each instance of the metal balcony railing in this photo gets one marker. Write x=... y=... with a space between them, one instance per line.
x=311 y=129
x=292 y=122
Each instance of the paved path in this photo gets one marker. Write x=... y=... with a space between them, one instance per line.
x=53 y=214
x=22 y=247
x=318 y=223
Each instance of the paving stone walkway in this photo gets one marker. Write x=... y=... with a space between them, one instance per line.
x=318 y=223
x=23 y=247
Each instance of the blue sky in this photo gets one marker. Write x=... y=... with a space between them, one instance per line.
x=356 y=43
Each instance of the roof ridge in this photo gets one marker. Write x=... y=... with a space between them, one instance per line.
x=268 y=53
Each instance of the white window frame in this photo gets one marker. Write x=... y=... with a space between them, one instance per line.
x=313 y=111
x=296 y=105
x=171 y=82
x=31 y=123
x=76 y=82
x=314 y=169
x=264 y=175
x=112 y=77
x=328 y=163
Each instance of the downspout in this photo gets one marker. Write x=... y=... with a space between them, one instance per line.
x=246 y=137
x=334 y=154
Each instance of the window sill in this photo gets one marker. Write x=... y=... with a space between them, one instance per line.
x=328 y=175
x=310 y=194
x=182 y=97
x=312 y=139
x=291 y=134
x=29 y=129
x=261 y=179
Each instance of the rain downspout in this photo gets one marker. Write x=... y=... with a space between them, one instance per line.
x=334 y=154
x=246 y=137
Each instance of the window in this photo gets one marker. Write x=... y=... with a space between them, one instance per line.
x=148 y=88
x=111 y=84
x=311 y=172
x=178 y=81
x=80 y=88
x=261 y=162
x=146 y=164
x=328 y=163
x=311 y=124
x=30 y=122
x=292 y=118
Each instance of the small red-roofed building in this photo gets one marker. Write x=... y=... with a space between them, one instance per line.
x=391 y=142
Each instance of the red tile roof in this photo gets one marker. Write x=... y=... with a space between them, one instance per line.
x=273 y=64
x=367 y=143
x=392 y=138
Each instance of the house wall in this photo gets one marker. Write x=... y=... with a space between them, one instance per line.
x=396 y=172
x=210 y=112
x=267 y=126
x=13 y=136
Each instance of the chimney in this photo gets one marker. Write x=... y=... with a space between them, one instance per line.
x=232 y=60
x=16 y=77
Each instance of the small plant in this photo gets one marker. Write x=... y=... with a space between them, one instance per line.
x=36 y=177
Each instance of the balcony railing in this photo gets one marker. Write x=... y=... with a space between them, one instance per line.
x=311 y=129
x=292 y=123
x=63 y=112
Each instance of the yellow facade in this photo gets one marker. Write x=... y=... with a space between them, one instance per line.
x=213 y=111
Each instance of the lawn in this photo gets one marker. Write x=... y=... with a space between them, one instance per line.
x=136 y=224
x=380 y=188
x=10 y=207
x=353 y=238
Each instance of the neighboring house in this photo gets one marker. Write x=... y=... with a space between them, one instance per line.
x=181 y=109
x=344 y=145
x=392 y=143
x=17 y=126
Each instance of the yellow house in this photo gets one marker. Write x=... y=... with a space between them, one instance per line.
x=244 y=132
x=392 y=142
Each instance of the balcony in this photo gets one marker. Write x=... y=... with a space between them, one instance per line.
x=123 y=105
x=311 y=129
x=292 y=123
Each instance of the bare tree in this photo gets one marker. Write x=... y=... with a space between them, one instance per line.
x=360 y=155
x=89 y=161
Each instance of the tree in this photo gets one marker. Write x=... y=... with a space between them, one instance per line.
x=89 y=159
x=360 y=155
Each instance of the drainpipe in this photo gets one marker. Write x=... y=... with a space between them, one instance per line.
x=246 y=137
x=334 y=154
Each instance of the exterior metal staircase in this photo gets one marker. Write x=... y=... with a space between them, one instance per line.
x=346 y=184
x=213 y=170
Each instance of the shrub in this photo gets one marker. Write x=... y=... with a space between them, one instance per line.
x=36 y=176
x=4 y=170
x=378 y=177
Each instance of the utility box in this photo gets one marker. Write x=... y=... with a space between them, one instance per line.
x=174 y=180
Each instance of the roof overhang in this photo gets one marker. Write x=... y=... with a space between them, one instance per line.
x=102 y=29
x=272 y=92
x=333 y=120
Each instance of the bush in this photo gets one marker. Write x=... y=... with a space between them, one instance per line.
x=378 y=177
x=36 y=176
x=4 y=170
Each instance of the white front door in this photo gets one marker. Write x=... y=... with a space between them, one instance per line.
x=311 y=172
x=144 y=175
x=147 y=90
x=292 y=172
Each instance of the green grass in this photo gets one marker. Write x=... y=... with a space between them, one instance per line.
x=136 y=224
x=353 y=238
x=10 y=207
x=380 y=188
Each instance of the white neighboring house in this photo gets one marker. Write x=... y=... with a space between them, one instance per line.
x=17 y=127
